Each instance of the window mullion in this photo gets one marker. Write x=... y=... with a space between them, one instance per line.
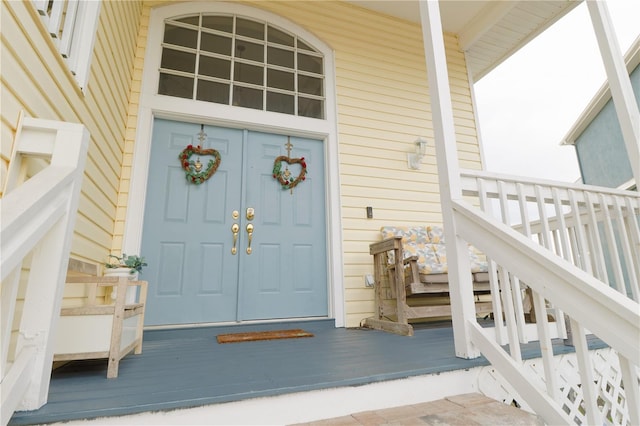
x=295 y=75
x=232 y=79
x=264 y=68
x=53 y=26
x=68 y=28
x=196 y=72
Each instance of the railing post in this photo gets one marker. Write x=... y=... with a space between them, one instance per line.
x=50 y=257
x=619 y=82
x=460 y=285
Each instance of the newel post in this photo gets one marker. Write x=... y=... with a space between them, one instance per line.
x=460 y=285
x=45 y=285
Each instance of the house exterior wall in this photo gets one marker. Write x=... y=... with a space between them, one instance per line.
x=382 y=105
x=36 y=79
x=600 y=148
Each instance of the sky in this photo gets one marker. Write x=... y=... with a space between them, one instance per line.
x=528 y=103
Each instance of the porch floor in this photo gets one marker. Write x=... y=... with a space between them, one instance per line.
x=181 y=368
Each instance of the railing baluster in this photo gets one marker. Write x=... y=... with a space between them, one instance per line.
x=485 y=206
x=633 y=217
x=583 y=258
x=631 y=388
x=546 y=345
x=509 y=312
x=589 y=392
x=626 y=249
x=561 y=231
x=614 y=256
x=514 y=283
x=596 y=243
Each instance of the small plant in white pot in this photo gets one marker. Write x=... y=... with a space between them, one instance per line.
x=124 y=266
x=132 y=264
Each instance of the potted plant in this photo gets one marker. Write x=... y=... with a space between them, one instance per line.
x=125 y=265
x=131 y=263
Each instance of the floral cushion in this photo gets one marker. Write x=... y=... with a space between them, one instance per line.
x=427 y=243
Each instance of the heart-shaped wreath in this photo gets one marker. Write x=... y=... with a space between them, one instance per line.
x=193 y=169
x=285 y=177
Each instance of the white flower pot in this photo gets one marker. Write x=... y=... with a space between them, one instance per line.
x=123 y=272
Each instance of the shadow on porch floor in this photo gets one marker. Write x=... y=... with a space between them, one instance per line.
x=183 y=368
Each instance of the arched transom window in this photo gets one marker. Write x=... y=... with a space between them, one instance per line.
x=237 y=61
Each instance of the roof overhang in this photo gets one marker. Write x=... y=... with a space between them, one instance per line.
x=488 y=31
x=602 y=96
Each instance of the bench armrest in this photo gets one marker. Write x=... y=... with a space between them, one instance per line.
x=385 y=245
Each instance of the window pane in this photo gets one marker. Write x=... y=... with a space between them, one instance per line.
x=280 y=37
x=246 y=50
x=280 y=79
x=310 y=85
x=279 y=102
x=174 y=85
x=179 y=61
x=305 y=46
x=180 y=36
x=246 y=97
x=216 y=44
x=310 y=63
x=215 y=67
x=283 y=58
x=193 y=20
x=211 y=91
x=248 y=73
x=220 y=23
x=251 y=29
x=310 y=108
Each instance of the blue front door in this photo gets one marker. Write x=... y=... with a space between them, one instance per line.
x=196 y=237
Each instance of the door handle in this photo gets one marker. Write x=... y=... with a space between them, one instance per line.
x=235 y=228
x=250 y=232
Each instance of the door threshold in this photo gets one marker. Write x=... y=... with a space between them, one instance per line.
x=235 y=323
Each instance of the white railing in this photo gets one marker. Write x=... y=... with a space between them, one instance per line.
x=38 y=212
x=577 y=249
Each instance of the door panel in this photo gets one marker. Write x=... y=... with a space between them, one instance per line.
x=285 y=276
x=187 y=237
x=187 y=229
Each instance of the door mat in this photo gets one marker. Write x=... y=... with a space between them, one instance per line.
x=263 y=335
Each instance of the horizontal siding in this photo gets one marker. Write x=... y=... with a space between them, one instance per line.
x=35 y=79
x=383 y=105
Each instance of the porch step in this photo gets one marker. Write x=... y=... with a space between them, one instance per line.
x=467 y=409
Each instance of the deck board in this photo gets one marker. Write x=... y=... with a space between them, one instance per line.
x=183 y=368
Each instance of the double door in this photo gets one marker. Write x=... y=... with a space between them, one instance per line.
x=237 y=246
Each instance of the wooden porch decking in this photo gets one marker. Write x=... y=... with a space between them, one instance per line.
x=183 y=368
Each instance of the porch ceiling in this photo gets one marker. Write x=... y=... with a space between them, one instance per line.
x=488 y=31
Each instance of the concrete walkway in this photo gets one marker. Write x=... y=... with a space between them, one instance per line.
x=468 y=410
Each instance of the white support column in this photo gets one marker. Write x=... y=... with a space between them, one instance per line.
x=461 y=289
x=619 y=82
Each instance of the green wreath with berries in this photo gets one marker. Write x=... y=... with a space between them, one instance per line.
x=285 y=177
x=194 y=169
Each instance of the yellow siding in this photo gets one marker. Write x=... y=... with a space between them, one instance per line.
x=35 y=79
x=382 y=102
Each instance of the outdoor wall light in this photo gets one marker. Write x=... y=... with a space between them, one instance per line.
x=413 y=159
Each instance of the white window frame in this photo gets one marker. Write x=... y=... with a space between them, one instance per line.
x=78 y=27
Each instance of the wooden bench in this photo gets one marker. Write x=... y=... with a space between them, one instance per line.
x=101 y=327
x=411 y=278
